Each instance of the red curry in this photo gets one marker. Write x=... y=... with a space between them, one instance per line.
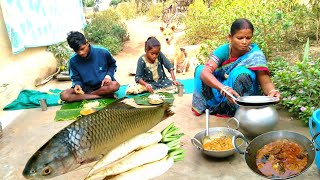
x=281 y=158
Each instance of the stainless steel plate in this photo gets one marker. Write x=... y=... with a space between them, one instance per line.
x=256 y=100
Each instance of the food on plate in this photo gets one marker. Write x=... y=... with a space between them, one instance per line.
x=86 y=111
x=155 y=99
x=89 y=108
x=222 y=143
x=281 y=158
x=90 y=105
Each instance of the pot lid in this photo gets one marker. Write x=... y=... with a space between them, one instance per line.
x=256 y=100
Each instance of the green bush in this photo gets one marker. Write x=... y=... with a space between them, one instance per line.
x=200 y=25
x=88 y=3
x=116 y=2
x=277 y=24
x=154 y=12
x=112 y=43
x=298 y=84
x=62 y=52
x=107 y=29
x=127 y=10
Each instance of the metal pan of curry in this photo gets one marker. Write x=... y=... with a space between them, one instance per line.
x=278 y=154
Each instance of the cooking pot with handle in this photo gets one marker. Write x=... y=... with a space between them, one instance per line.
x=256 y=120
x=257 y=143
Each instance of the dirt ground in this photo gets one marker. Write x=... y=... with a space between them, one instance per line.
x=31 y=128
x=140 y=29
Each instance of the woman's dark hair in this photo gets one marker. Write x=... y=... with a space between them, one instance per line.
x=76 y=40
x=151 y=43
x=239 y=24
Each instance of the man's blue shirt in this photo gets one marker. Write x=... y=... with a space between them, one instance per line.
x=90 y=71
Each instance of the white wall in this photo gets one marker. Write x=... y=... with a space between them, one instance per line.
x=23 y=70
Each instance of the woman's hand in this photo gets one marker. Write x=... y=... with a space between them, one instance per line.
x=149 y=88
x=230 y=91
x=175 y=82
x=267 y=85
x=274 y=93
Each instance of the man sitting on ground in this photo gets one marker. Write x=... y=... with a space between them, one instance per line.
x=91 y=71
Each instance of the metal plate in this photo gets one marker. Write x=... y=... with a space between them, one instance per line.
x=256 y=100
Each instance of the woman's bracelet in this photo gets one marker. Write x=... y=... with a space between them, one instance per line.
x=148 y=85
x=224 y=88
x=210 y=66
x=273 y=90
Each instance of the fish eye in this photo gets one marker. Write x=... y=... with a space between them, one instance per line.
x=46 y=171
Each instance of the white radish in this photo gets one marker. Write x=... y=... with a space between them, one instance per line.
x=138 y=142
x=147 y=171
x=146 y=155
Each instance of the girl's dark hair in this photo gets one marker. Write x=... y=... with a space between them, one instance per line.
x=76 y=40
x=239 y=24
x=151 y=43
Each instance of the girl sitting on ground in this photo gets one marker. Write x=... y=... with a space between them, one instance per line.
x=150 y=74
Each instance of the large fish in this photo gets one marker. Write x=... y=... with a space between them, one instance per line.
x=90 y=137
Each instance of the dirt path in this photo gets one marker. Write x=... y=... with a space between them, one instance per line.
x=139 y=30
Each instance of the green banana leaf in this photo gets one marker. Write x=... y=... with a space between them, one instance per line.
x=71 y=111
x=143 y=99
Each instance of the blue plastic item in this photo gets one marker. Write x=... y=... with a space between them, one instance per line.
x=314 y=122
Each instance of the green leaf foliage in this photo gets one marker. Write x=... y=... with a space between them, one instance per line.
x=62 y=52
x=107 y=29
x=298 y=84
x=88 y=3
x=278 y=24
x=71 y=111
x=127 y=10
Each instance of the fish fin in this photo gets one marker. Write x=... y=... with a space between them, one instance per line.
x=91 y=160
x=119 y=105
x=167 y=112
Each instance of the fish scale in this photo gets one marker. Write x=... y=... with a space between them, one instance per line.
x=91 y=136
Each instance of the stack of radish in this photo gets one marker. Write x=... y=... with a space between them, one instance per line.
x=144 y=156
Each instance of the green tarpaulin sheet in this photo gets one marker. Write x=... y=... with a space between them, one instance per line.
x=30 y=99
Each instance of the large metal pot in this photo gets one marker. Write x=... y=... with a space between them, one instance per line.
x=217 y=132
x=257 y=143
x=256 y=120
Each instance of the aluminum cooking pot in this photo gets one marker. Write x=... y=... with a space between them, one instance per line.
x=217 y=132
x=256 y=114
x=256 y=120
x=257 y=143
